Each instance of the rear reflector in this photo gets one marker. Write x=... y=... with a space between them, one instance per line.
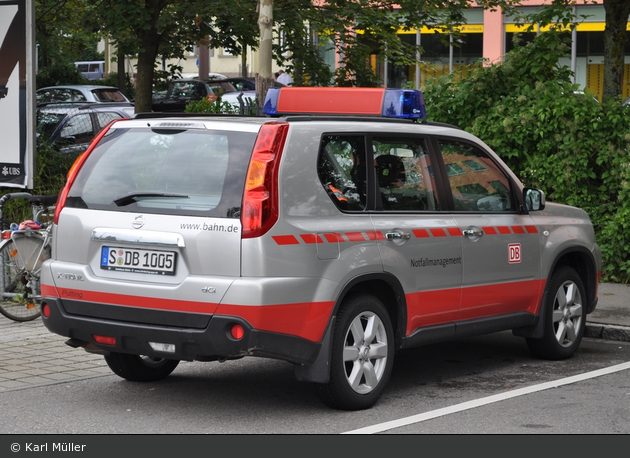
x=104 y=340
x=237 y=331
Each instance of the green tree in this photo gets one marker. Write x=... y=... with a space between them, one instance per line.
x=152 y=28
x=554 y=138
x=234 y=26
x=60 y=32
x=358 y=29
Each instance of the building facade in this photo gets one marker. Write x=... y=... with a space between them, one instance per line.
x=488 y=35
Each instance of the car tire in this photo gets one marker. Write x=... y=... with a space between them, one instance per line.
x=140 y=368
x=564 y=316
x=362 y=355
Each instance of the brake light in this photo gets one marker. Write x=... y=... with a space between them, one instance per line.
x=260 y=199
x=74 y=169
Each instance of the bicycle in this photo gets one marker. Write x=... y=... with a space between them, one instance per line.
x=23 y=249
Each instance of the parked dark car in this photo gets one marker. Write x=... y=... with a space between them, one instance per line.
x=70 y=127
x=247 y=84
x=180 y=92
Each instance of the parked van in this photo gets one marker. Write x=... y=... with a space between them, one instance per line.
x=92 y=70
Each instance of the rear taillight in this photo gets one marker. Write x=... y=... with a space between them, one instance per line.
x=72 y=173
x=260 y=200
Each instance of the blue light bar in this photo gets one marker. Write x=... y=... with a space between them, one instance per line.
x=390 y=103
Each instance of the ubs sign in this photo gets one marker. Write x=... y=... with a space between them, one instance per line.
x=17 y=77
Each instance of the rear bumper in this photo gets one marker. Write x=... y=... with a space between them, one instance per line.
x=210 y=341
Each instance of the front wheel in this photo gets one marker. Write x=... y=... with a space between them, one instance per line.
x=140 y=368
x=564 y=317
x=362 y=355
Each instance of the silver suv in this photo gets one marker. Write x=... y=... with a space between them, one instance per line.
x=324 y=239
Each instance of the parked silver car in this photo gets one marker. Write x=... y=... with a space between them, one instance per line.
x=79 y=93
x=329 y=234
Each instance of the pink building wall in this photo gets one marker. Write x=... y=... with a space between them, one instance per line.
x=493 y=27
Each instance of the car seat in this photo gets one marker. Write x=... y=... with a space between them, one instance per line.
x=389 y=170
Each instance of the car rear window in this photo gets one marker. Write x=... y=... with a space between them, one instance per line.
x=180 y=172
x=108 y=95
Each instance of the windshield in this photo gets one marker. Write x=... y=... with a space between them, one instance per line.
x=189 y=172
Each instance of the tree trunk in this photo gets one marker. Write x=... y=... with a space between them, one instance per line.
x=120 y=66
x=144 y=81
x=615 y=38
x=264 y=79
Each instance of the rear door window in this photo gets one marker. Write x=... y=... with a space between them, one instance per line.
x=405 y=174
x=105 y=117
x=342 y=170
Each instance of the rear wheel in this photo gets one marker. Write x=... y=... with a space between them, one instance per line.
x=140 y=368
x=20 y=297
x=362 y=355
x=564 y=315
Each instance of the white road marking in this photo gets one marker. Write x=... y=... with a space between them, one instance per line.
x=487 y=400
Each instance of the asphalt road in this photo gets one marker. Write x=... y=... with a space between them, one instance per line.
x=257 y=396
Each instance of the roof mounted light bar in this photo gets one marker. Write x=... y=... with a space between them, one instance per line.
x=361 y=101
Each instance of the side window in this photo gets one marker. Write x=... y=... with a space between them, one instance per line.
x=79 y=128
x=404 y=173
x=477 y=183
x=342 y=172
x=105 y=117
x=77 y=96
x=61 y=95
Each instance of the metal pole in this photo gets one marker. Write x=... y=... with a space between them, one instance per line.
x=450 y=55
x=574 y=49
x=418 y=56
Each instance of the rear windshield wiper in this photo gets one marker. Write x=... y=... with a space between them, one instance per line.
x=134 y=197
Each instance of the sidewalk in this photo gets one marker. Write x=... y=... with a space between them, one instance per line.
x=611 y=318
x=30 y=355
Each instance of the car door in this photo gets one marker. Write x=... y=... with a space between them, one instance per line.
x=500 y=246
x=419 y=241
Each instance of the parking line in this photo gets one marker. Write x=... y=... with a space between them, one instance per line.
x=487 y=400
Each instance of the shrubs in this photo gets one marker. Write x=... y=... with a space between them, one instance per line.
x=562 y=141
x=51 y=170
x=210 y=105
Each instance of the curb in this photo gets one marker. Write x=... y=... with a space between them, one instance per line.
x=608 y=332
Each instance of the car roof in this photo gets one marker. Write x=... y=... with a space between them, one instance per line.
x=66 y=107
x=86 y=87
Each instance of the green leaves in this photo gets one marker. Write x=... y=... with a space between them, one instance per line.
x=562 y=141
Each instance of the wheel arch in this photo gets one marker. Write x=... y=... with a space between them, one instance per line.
x=388 y=290
x=583 y=261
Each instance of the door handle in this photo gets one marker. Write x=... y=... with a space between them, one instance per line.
x=471 y=232
x=397 y=235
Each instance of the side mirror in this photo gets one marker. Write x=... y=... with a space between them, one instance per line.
x=533 y=199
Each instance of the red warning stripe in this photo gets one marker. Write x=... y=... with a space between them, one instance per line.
x=336 y=237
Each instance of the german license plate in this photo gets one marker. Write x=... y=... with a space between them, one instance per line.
x=138 y=261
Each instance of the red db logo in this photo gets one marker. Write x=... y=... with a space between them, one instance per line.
x=514 y=252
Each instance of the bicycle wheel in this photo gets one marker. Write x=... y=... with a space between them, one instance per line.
x=20 y=294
